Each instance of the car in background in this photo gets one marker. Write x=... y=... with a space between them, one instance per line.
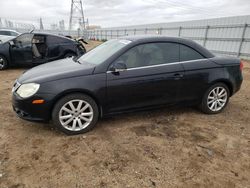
x=126 y=74
x=6 y=34
x=30 y=49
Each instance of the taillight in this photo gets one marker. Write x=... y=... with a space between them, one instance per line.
x=241 y=65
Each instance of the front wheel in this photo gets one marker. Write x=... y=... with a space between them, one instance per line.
x=3 y=63
x=215 y=99
x=75 y=114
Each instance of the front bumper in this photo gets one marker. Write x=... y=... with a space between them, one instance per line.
x=33 y=112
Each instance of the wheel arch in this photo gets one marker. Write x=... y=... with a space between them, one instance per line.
x=75 y=91
x=228 y=83
x=6 y=58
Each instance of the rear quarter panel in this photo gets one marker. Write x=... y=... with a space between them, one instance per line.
x=232 y=71
x=59 y=46
x=199 y=75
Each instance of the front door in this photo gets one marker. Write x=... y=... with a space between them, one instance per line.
x=21 y=49
x=153 y=77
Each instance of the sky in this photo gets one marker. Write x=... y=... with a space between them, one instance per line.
x=112 y=13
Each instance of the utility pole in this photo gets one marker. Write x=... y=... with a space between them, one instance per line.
x=76 y=15
x=87 y=24
x=61 y=25
x=41 y=24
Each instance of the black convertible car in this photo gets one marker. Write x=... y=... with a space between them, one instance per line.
x=37 y=48
x=126 y=74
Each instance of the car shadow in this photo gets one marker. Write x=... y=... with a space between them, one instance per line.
x=146 y=114
x=120 y=120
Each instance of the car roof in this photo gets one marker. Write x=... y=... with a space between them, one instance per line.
x=155 y=38
x=50 y=34
x=141 y=37
x=43 y=33
x=159 y=38
x=9 y=30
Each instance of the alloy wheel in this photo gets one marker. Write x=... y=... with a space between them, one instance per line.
x=2 y=63
x=217 y=99
x=76 y=115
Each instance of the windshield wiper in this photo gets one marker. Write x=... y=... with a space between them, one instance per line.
x=78 y=62
x=75 y=59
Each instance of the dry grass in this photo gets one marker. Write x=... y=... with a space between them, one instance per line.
x=162 y=148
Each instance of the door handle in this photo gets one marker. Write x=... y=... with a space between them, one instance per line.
x=178 y=76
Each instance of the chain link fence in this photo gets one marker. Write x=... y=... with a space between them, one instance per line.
x=233 y=40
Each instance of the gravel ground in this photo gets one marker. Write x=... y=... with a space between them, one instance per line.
x=176 y=147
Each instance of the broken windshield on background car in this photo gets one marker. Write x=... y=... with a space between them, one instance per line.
x=103 y=52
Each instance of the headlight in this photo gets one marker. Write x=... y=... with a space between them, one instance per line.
x=27 y=90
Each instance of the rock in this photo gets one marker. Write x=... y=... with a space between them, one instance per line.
x=153 y=182
x=209 y=152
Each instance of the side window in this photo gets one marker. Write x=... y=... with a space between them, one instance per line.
x=7 y=33
x=187 y=54
x=13 y=34
x=170 y=52
x=150 y=54
x=24 y=40
x=130 y=58
x=54 y=40
x=38 y=39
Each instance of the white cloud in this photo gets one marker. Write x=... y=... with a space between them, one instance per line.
x=109 y=13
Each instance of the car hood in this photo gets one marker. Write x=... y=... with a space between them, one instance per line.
x=4 y=39
x=56 y=70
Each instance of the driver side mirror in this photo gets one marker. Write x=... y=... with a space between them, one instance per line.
x=119 y=66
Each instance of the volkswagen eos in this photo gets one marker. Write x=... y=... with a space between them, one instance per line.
x=124 y=75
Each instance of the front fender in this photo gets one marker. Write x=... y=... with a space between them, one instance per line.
x=92 y=85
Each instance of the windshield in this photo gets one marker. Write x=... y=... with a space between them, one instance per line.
x=101 y=53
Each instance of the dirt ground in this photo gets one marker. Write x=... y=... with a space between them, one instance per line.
x=177 y=147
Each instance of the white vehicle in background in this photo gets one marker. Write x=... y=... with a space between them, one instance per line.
x=6 y=34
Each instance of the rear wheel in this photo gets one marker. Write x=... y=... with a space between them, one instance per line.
x=3 y=63
x=75 y=114
x=215 y=99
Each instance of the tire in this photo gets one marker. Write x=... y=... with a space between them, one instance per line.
x=3 y=63
x=69 y=55
x=70 y=119
x=213 y=102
